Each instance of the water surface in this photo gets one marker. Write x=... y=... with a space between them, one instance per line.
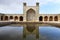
x=16 y=33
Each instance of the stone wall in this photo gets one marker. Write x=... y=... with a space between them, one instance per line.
x=33 y=16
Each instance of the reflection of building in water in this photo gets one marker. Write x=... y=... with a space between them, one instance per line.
x=31 y=29
x=30 y=13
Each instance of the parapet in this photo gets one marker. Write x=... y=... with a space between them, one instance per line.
x=37 y=4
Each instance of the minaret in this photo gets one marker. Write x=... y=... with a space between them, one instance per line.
x=37 y=11
x=24 y=12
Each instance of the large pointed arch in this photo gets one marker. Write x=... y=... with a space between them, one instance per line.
x=30 y=15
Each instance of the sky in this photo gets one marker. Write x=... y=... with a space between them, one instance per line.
x=16 y=6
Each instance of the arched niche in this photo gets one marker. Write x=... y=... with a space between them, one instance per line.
x=30 y=16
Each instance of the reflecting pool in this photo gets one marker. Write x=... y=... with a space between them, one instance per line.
x=16 y=33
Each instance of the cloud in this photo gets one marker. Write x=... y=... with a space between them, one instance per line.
x=16 y=6
x=44 y=2
x=50 y=6
x=10 y=6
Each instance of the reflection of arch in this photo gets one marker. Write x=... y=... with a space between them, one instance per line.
x=6 y=17
x=45 y=18
x=30 y=15
x=30 y=28
x=11 y=17
x=56 y=18
x=21 y=18
x=51 y=18
x=16 y=18
x=1 y=18
x=40 y=18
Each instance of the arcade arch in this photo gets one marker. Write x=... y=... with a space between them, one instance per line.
x=46 y=18
x=16 y=18
x=6 y=18
x=21 y=18
x=41 y=18
x=56 y=18
x=51 y=18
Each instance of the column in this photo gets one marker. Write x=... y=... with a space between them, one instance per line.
x=8 y=18
x=53 y=18
x=3 y=18
x=18 y=18
x=48 y=18
x=13 y=17
x=43 y=18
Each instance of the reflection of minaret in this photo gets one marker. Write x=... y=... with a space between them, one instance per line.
x=31 y=29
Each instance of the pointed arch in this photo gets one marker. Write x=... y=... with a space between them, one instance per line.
x=51 y=18
x=6 y=17
x=56 y=18
x=21 y=18
x=11 y=17
x=30 y=15
x=41 y=18
x=16 y=18
x=1 y=18
x=46 y=18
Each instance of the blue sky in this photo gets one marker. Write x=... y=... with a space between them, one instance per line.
x=16 y=6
